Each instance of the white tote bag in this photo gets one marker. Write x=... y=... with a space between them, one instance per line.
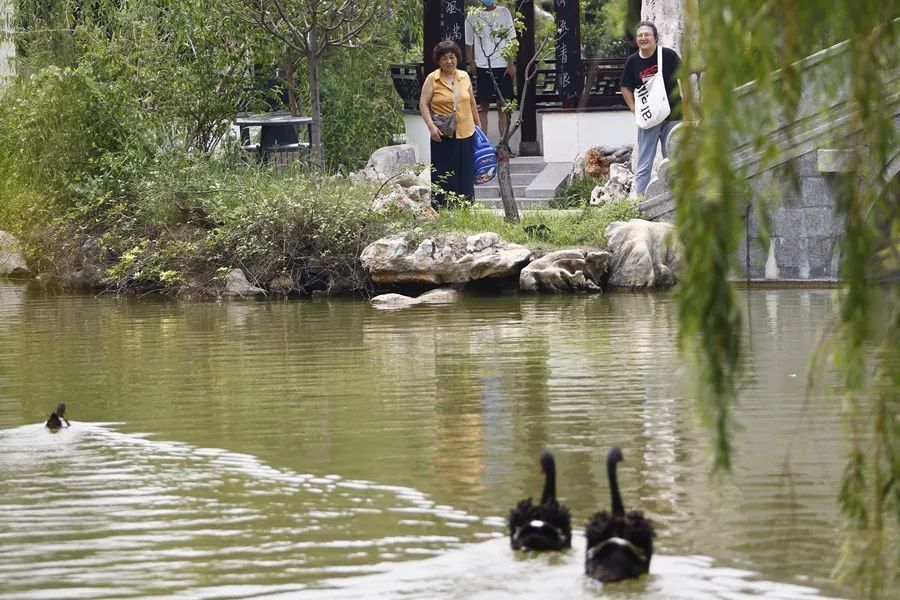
x=651 y=103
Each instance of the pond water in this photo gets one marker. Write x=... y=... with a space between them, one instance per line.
x=327 y=449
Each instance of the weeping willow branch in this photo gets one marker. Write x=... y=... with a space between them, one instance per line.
x=710 y=191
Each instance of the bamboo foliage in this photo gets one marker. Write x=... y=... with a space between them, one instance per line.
x=732 y=42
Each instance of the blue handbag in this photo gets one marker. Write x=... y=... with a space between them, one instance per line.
x=485 y=158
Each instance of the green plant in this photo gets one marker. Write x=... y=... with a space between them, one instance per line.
x=603 y=28
x=307 y=227
x=737 y=40
x=575 y=193
x=584 y=228
x=59 y=131
x=360 y=112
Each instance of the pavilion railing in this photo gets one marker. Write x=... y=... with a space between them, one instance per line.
x=600 y=87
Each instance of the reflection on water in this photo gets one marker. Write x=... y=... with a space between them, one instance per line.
x=329 y=449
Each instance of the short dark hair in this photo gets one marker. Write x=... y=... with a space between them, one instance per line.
x=446 y=47
x=651 y=26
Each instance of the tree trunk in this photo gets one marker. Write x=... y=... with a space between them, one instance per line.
x=288 y=64
x=504 y=178
x=316 y=151
x=668 y=16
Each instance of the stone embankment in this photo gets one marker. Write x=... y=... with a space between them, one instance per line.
x=640 y=255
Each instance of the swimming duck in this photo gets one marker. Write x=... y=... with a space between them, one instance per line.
x=57 y=419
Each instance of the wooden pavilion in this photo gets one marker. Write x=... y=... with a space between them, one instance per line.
x=566 y=85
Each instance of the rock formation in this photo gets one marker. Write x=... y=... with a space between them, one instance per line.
x=405 y=258
x=644 y=254
x=12 y=263
x=571 y=270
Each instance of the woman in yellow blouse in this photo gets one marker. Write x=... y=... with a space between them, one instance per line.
x=452 y=158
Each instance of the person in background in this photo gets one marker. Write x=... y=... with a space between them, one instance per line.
x=452 y=157
x=488 y=33
x=639 y=68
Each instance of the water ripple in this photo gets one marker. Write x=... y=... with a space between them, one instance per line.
x=151 y=516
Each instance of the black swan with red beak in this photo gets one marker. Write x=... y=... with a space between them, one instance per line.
x=619 y=545
x=547 y=526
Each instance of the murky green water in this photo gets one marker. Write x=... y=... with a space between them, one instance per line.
x=329 y=449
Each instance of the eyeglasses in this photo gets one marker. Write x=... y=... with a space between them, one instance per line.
x=447 y=57
x=643 y=35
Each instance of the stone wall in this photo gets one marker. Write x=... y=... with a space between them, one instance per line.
x=805 y=226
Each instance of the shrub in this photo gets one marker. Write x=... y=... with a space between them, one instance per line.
x=59 y=130
x=302 y=226
x=575 y=194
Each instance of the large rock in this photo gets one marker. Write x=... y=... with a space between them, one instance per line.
x=236 y=284
x=84 y=267
x=566 y=271
x=414 y=200
x=11 y=260
x=617 y=187
x=644 y=254
x=390 y=160
x=404 y=258
x=596 y=160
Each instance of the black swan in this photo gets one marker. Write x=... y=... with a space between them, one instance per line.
x=547 y=526
x=619 y=545
x=57 y=418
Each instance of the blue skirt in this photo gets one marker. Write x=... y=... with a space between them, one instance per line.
x=453 y=168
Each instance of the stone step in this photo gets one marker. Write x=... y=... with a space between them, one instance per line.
x=526 y=164
x=492 y=190
x=517 y=179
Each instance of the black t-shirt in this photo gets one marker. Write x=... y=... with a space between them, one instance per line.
x=638 y=70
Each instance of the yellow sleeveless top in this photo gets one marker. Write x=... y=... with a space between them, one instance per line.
x=442 y=101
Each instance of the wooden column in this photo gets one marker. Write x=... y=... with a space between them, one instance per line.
x=569 y=72
x=528 y=145
x=431 y=33
x=442 y=20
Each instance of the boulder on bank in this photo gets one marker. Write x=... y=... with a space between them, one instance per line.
x=389 y=162
x=405 y=258
x=12 y=263
x=438 y=296
x=644 y=254
x=571 y=270
x=415 y=200
x=85 y=269
x=236 y=285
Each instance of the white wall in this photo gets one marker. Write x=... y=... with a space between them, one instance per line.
x=417 y=136
x=566 y=134
x=561 y=135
